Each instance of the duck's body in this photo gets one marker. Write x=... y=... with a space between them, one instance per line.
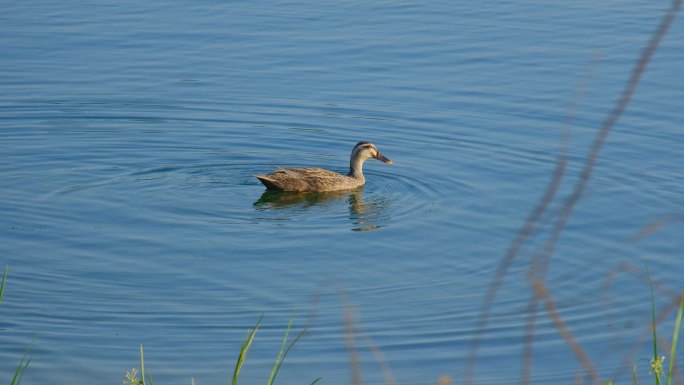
x=318 y=179
x=309 y=179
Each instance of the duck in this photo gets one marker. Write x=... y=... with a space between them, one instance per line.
x=313 y=179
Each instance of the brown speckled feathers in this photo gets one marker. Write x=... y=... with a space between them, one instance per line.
x=308 y=179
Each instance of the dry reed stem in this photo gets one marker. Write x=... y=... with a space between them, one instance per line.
x=639 y=236
x=530 y=222
x=551 y=310
x=349 y=319
x=630 y=268
x=541 y=260
x=380 y=359
x=579 y=377
x=607 y=126
x=351 y=332
x=445 y=379
x=526 y=366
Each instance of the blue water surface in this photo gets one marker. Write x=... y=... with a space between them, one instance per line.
x=130 y=133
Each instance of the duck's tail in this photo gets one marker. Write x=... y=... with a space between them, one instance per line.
x=268 y=182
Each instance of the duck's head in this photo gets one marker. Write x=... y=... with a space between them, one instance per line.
x=366 y=150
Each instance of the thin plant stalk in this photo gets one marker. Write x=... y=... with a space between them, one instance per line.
x=656 y=375
x=675 y=338
x=142 y=381
x=142 y=364
x=635 y=378
x=2 y=285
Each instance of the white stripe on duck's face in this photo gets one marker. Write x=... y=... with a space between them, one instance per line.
x=366 y=150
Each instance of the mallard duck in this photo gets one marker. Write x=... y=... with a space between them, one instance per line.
x=318 y=179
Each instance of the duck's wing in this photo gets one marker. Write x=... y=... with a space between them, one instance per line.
x=300 y=179
x=308 y=173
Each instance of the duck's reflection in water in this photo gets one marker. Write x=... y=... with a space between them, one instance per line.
x=364 y=216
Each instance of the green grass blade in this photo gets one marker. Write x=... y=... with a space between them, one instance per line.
x=675 y=338
x=2 y=285
x=653 y=321
x=279 y=358
x=282 y=354
x=142 y=364
x=246 y=344
x=292 y=344
x=19 y=373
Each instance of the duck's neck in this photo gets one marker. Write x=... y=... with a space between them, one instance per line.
x=356 y=168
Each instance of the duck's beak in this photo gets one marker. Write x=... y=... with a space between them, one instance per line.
x=382 y=158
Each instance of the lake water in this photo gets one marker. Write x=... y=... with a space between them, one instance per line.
x=130 y=131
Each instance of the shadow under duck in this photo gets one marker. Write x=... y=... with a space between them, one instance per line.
x=319 y=180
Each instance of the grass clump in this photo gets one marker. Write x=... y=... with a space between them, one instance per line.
x=132 y=378
x=659 y=362
x=137 y=376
